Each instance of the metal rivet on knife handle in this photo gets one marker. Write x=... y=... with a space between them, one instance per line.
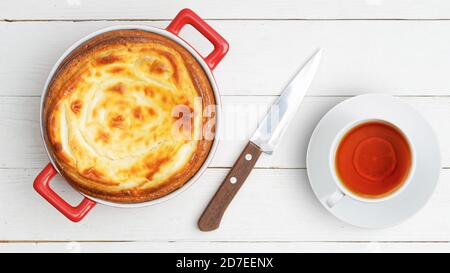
x=213 y=213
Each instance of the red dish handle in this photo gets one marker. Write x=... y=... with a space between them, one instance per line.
x=188 y=17
x=42 y=186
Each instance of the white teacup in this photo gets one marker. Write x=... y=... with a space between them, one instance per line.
x=342 y=191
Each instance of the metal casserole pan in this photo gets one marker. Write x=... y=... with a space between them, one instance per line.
x=208 y=63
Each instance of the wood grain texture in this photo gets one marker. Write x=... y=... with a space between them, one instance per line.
x=395 y=57
x=213 y=213
x=274 y=205
x=227 y=247
x=233 y=9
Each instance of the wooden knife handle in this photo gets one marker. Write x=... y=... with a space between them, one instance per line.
x=211 y=217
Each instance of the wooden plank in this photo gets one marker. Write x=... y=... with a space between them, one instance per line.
x=242 y=247
x=19 y=129
x=283 y=9
x=396 y=57
x=273 y=206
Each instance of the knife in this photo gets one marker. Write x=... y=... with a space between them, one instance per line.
x=264 y=140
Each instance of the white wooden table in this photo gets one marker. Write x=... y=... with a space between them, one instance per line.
x=399 y=47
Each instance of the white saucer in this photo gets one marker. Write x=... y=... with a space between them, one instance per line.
x=424 y=179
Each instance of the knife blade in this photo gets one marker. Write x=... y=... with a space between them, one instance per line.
x=281 y=113
x=264 y=140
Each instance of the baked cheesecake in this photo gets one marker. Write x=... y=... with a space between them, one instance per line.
x=116 y=114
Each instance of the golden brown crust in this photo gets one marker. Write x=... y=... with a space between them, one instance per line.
x=109 y=116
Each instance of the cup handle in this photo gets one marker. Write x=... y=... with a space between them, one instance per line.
x=42 y=186
x=334 y=198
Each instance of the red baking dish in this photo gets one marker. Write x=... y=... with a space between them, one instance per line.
x=208 y=63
